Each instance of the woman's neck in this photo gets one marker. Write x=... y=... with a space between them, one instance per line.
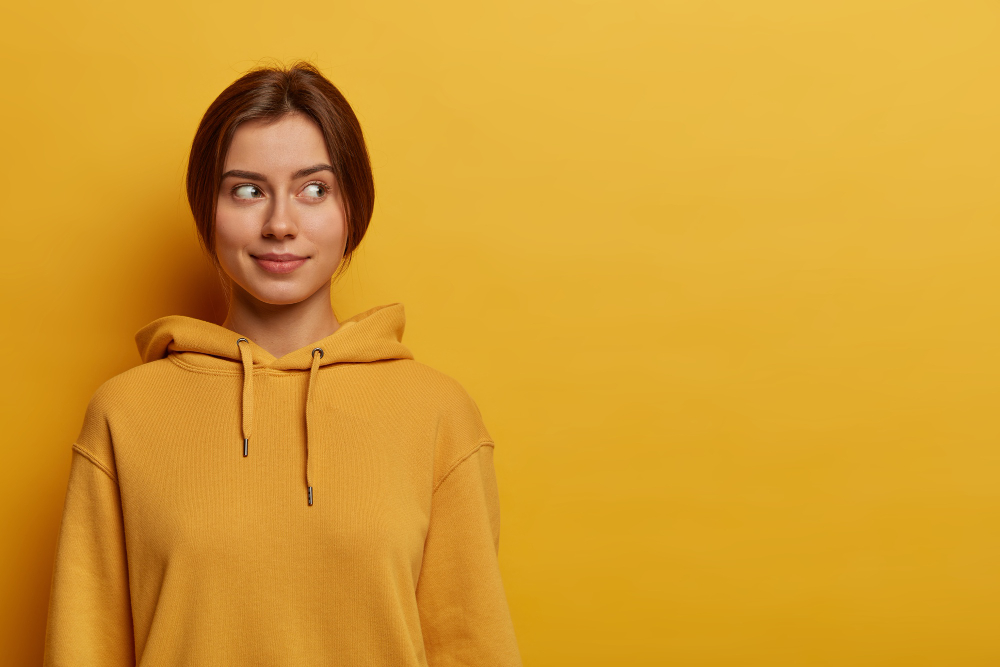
x=282 y=328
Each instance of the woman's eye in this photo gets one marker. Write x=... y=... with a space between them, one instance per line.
x=315 y=190
x=247 y=192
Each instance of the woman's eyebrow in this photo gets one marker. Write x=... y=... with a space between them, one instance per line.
x=312 y=170
x=253 y=175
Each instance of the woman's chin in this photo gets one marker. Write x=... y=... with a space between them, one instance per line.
x=279 y=295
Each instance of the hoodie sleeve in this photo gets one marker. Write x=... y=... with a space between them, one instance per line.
x=463 y=608
x=90 y=617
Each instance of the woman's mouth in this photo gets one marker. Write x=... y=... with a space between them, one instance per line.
x=283 y=263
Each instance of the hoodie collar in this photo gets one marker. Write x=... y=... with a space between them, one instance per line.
x=373 y=335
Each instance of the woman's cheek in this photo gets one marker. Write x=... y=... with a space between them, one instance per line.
x=324 y=234
x=229 y=240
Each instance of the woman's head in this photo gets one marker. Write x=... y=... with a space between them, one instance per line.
x=279 y=166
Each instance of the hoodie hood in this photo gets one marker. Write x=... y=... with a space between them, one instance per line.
x=373 y=335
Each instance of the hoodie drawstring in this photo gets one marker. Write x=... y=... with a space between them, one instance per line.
x=248 y=402
x=309 y=396
x=247 y=393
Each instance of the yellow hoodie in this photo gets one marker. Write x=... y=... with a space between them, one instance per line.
x=335 y=506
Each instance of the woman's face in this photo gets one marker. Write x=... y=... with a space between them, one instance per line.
x=280 y=225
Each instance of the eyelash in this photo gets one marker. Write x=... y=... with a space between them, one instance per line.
x=323 y=186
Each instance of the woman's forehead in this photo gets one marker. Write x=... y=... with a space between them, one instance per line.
x=279 y=145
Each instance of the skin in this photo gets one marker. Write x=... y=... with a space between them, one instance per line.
x=271 y=206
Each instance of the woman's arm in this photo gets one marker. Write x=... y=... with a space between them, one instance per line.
x=90 y=614
x=463 y=608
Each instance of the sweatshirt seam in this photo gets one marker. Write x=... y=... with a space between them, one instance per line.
x=221 y=371
x=93 y=459
x=479 y=445
x=195 y=369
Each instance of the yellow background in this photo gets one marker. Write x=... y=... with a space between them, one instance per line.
x=722 y=277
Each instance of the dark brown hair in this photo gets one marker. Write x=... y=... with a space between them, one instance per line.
x=269 y=92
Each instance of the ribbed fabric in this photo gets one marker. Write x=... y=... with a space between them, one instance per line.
x=336 y=506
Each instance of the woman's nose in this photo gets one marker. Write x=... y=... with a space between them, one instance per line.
x=281 y=222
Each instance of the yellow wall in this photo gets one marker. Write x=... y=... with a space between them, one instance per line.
x=722 y=277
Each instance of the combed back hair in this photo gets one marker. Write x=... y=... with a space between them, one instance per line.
x=267 y=93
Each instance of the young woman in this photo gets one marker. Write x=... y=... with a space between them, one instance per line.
x=285 y=488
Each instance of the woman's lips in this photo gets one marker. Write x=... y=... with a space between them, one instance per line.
x=280 y=265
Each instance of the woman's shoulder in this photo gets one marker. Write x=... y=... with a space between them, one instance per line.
x=113 y=397
x=443 y=392
x=459 y=426
x=131 y=384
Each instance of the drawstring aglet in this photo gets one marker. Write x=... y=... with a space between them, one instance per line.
x=310 y=495
x=246 y=446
